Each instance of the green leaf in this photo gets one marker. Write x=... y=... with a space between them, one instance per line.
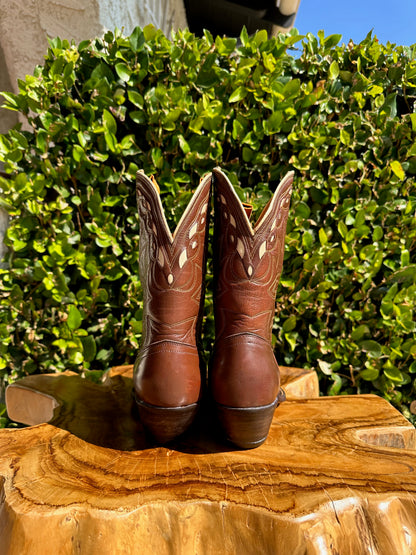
x=291 y=338
x=323 y=238
x=74 y=317
x=377 y=233
x=137 y=40
x=157 y=157
x=412 y=119
x=391 y=293
x=336 y=386
x=42 y=140
x=238 y=94
x=375 y=90
x=371 y=347
x=111 y=141
x=345 y=137
x=89 y=347
x=76 y=357
x=104 y=354
x=136 y=98
x=248 y=154
x=302 y=210
x=274 y=123
x=78 y=153
x=289 y=324
x=100 y=156
x=13 y=102
x=359 y=332
x=260 y=36
x=397 y=169
x=109 y=122
x=244 y=36
x=225 y=45
x=149 y=32
x=138 y=116
x=343 y=229
x=393 y=374
x=325 y=367
x=184 y=145
x=333 y=70
x=123 y=72
x=332 y=40
x=291 y=88
x=308 y=240
x=369 y=374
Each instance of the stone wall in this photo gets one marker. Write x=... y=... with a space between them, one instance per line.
x=7 y=118
x=26 y=24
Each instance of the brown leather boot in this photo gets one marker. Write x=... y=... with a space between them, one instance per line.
x=167 y=371
x=244 y=377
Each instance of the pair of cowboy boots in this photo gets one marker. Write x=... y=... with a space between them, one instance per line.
x=244 y=378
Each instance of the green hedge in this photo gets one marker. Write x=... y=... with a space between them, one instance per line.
x=343 y=117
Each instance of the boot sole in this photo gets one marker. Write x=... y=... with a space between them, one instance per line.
x=166 y=423
x=247 y=427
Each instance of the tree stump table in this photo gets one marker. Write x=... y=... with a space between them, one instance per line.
x=335 y=476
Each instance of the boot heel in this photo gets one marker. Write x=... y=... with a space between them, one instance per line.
x=166 y=423
x=247 y=427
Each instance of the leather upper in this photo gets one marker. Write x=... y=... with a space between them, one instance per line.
x=172 y=268
x=248 y=262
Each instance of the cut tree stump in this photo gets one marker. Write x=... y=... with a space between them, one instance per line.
x=335 y=476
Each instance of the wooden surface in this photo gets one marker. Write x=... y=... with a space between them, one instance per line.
x=336 y=475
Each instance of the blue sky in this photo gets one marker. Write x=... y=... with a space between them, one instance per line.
x=392 y=21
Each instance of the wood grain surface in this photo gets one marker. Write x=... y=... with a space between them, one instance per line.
x=336 y=475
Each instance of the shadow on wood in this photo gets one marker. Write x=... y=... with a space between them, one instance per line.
x=105 y=415
x=330 y=478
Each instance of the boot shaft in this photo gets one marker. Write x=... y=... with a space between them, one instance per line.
x=171 y=265
x=248 y=260
x=167 y=371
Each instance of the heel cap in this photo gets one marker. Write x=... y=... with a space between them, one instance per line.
x=164 y=424
x=247 y=427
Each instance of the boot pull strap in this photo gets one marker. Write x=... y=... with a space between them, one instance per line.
x=155 y=184
x=248 y=209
